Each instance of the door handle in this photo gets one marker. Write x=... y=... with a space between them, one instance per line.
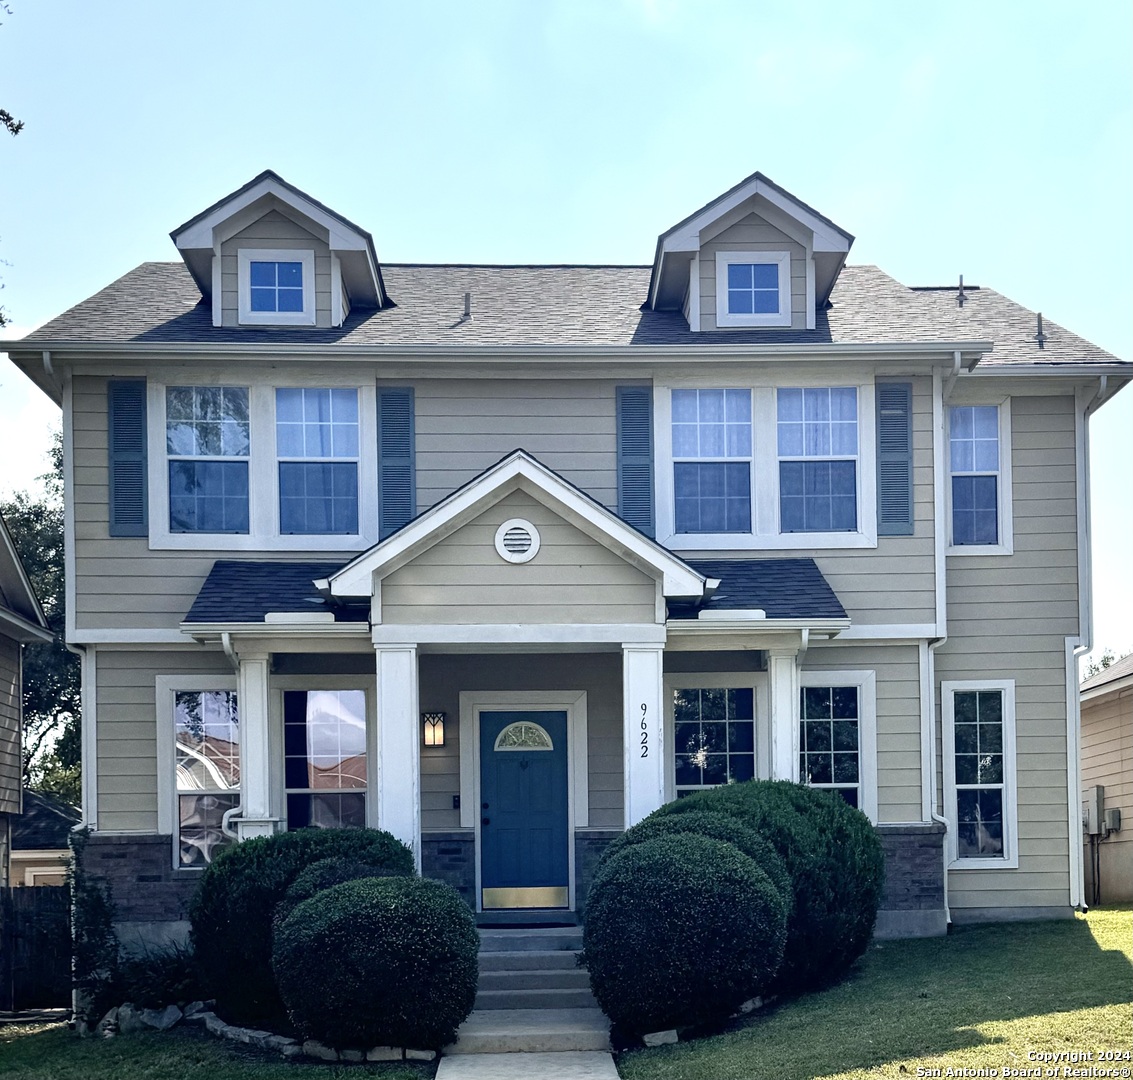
x=485 y=821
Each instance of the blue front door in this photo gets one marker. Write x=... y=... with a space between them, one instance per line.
x=524 y=838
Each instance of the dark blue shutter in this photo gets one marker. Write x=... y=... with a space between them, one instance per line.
x=126 y=443
x=894 y=459
x=635 y=457
x=397 y=481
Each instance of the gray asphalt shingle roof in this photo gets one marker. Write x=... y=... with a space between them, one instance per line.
x=567 y=305
x=782 y=588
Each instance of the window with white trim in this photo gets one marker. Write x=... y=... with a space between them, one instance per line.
x=316 y=433
x=207 y=442
x=206 y=742
x=979 y=772
x=817 y=431
x=838 y=735
x=324 y=746
x=753 y=288
x=276 y=287
x=712 y=448
x=974 y=464
x=713 y=736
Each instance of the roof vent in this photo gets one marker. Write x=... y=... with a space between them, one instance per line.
x=1040 y=337
x=960 y=295
x=517 y=541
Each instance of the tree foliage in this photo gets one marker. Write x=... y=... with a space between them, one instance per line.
x=13 y=127
x=52 y=708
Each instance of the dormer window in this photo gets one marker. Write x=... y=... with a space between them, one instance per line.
x=753 y=288
x=276 y=287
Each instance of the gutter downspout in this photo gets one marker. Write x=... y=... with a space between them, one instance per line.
x=88 y=734
x=238 y=809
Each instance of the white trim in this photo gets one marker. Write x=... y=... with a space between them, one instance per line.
x=644 y=746
x=888 y=632
x=1010 y=858
x=928 y=732
x=1006 y=545
x=338 y=308
x=574 y=704
x=20 y=629
x=516 y=633
x=1083 y=400
x=69 y=523
x=244 y=259
x=217 y=297
x=757 y=681
x=866 y=683
x=128 y=637
x=781 y=260
x=165 y=689
x=89 y=768
x=398 y=742
x=1074 y=772
x=517 y=557
x=811 y=298
x=940 y=526
x=694 y=294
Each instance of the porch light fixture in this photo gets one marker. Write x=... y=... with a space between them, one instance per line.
x=434 y=728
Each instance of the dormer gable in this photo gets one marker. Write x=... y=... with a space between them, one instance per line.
x=754 y=257
x=268 y=255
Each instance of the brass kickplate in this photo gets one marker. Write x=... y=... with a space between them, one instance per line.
x=546 y=897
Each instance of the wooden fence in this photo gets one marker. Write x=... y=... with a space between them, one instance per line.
x=35 y=947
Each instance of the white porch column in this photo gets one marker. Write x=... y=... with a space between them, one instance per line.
x=399 y=746
x=644 y=728
x=255 y=748
x=784 y=713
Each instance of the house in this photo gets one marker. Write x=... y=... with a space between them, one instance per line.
x=21 y=621
x=41 y=850
x=501 y=558
x=1107 y=764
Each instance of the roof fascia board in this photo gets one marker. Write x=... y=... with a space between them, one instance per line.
x=1113 y=686
x=1054 y=369
x=21 y=629
x=23 y=582
x=755 y=625
x=279 y=629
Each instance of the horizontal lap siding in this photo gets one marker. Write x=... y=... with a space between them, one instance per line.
x=444 y=677
x=11 y=770
x=572 y=579
x=897 y=671
x=464 y=426
x=127 y=729
x=1008 y=617
x=753 y=233
x=1107 y=759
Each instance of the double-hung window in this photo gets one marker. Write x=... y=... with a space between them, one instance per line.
x=837 y=735
x=712 y=449
x=818 y=459
x=975 y=466
x=318 y=449
x=713 y=736
x=324 y=745
x=207 y=440
x=979 y=772
x=206 y=745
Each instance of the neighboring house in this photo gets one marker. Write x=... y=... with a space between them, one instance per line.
x=501 y=558
x=21 y=621
x=1107 y=760
x=40 y=840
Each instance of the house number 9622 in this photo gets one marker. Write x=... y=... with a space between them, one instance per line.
x=644 y=731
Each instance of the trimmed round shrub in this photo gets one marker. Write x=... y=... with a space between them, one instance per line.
x=681 y=930
x=716 y=827
x=231 y=912
x=836 y=863
x=325 y=874
x=379 y=962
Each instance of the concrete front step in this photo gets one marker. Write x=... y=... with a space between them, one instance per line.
x=532 y=960
x=575 y=998
x=549 y=939
x=535 y=979
x=531 y=1031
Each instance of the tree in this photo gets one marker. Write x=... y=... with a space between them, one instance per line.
x=52 y=703
x=1096 y=667
x=13 y=127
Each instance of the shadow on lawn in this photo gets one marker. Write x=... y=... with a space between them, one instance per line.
x=913 y=1000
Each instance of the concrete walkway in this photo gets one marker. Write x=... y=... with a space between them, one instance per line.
x=567 y=1065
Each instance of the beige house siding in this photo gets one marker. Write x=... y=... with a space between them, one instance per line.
x=1008 y=617
x=127 y=729
x=1107 y=759
x=11 y=710
x=599 y=674
x=753 y=233
x=464 y=426
x=897 y=670
x=573 y=579
x=274 y=230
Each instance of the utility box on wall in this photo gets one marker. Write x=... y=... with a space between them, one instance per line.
x=1093 y=807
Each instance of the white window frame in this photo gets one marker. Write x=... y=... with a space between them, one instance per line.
x=866 y=683
x=1006 y=545
x=757 y=681
x=1009 y=860
x=244 y=259
x=166 y=687
x=781 y=260
x=765 y=534
x=263 y=471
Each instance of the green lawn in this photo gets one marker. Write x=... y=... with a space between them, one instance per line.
x=51 y=1052
x=980 y=998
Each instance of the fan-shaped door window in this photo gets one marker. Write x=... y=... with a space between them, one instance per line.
x=524 y=735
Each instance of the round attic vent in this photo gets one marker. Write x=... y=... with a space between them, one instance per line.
x=517 y=541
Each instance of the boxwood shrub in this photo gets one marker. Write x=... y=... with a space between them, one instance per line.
x=837 y=869
x=379 y=962
x=716 y=826
x=231 y=912
x=679 y=931
x=325 y=874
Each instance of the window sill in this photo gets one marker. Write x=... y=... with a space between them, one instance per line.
x=985 y=864
x=980 y=549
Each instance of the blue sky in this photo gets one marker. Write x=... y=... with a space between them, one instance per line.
x=994 y=141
